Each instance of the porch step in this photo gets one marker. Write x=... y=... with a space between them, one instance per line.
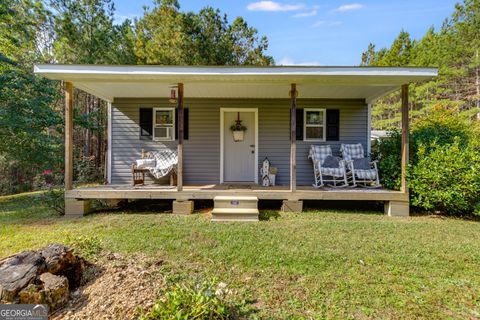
x=235 y=208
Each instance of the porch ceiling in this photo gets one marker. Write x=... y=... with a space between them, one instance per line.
x=109 y=82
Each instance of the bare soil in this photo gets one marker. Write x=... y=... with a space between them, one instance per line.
x=115 y=287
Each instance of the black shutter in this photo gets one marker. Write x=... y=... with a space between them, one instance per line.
x=299 y=126
x=333 y=124
x=176 y=124
x=146 y=123
x=185 y=124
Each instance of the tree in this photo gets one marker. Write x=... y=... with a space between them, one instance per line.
x=454 y=49
x=167 y=36
x=84 y=30
x=29 y=118
x=206 y=35
x=85 y=34
x=160 y=38
x=123 y=46
x=247 y=48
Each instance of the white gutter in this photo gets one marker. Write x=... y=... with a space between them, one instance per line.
x=52 y=69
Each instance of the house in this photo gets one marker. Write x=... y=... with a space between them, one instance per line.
x=271 y=102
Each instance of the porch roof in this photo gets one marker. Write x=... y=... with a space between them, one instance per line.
x=110 y=82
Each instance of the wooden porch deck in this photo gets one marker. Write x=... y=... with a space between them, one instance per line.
x=208 y=192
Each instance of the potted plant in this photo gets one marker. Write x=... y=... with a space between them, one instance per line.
x=238 y=130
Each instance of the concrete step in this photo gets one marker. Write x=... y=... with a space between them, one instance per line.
x=235 y=208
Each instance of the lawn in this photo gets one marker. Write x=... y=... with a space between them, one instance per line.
x=318 y=264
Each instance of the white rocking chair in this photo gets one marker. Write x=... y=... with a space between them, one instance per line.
x=359 y=176
x=323 y=175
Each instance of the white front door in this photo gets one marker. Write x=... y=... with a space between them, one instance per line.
x=239 y=157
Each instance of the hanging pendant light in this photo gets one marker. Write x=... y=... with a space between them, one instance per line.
x=173 y=96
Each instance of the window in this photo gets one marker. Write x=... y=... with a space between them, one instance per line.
x=164 y=124
x=314 y=124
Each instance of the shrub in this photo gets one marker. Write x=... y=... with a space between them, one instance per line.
x=85 y=170
x=203 y=301
x=54 y=199
x=444 y=152
x=388 y=153
x=86 y=246
x=446 y=178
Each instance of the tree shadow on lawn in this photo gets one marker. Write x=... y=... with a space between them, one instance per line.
x=269 y=209
x=346 y=206
x=150 y=206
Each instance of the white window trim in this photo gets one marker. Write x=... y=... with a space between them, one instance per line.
x=154 y=124
x=324 y=125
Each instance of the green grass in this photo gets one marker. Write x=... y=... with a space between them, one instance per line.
x=318 y=264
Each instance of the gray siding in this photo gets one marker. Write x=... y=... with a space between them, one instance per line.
x=202 y=149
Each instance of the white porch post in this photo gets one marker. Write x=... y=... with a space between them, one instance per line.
x=369 y=128
x=405 y=142
x=293 y=137
x=180 y=139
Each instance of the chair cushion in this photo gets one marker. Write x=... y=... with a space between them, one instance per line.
x=146 y=163
x=319 y=152
x=331 y=162
x=333 y=172
x=352 y=151
x=369 y=174
x=362 y=164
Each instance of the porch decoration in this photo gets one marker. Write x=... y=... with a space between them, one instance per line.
x=268 y=173
x=271 y=176
x=238 y=129
x=264 y=171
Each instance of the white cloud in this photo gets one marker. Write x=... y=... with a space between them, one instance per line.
x=306 y=14
x=326 y=23
x=273 y=6
x=349 y=7
x=287 y=61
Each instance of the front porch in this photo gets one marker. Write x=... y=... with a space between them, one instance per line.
x=78 y=199
x=208 y=192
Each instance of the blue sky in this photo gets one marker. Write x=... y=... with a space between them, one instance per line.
x=322 y=32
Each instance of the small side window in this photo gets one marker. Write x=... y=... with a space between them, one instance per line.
x=314 y=124
x=164 y=124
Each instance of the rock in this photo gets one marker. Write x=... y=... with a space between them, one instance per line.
x=18 y=271
x=52 y=290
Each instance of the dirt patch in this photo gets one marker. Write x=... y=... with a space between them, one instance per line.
x=115 y=288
